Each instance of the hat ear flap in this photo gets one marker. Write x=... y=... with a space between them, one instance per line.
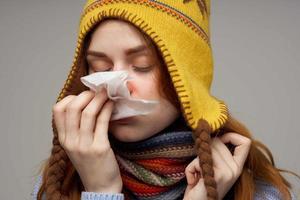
x=202 y=136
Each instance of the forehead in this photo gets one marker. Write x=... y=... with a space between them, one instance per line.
x=119 y=32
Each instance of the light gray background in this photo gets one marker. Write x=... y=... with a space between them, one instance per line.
x=256 y=57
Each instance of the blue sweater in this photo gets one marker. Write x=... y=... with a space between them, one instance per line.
x=264 y=191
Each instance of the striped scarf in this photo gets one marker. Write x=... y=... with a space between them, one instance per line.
x=154 y=168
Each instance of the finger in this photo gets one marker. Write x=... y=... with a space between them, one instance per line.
x=218 y=159
x=88 y=118
x=202 y=190
x=196 y=192
x=193 y=171
x=101 y=129
x=59 y=110
x=242 y=146
x=224 y=152
x=221 y=167
x=89 y=114
x=73 y=112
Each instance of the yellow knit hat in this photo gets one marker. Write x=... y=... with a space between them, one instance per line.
x=180 y=28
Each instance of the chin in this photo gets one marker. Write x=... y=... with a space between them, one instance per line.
x=128 y=133
x=123 y=133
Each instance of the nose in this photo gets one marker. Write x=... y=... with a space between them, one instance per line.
x=130 y=83
x=130 y=86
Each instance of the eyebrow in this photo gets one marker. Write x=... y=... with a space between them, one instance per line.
x=128 y=52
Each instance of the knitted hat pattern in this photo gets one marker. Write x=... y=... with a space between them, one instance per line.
x=180 y=29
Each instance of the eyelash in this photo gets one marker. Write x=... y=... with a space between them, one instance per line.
x=142 y=69
x=136 y=68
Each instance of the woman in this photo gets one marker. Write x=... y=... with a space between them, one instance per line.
x=189 y=147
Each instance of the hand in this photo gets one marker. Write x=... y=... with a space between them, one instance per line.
x=227 y=167
x=82 y=124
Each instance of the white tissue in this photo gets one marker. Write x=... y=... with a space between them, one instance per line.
x=115 y=83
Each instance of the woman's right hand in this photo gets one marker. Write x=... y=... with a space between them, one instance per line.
x=82 y=123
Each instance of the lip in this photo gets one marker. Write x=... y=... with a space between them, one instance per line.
x=126 y=120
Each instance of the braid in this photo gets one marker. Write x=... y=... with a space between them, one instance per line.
x=203 y=149
x=57 y=169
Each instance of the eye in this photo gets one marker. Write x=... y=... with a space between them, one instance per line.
x=143 y=69
x=101 y=70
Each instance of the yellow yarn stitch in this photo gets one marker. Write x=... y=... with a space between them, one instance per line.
x=180 y=28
